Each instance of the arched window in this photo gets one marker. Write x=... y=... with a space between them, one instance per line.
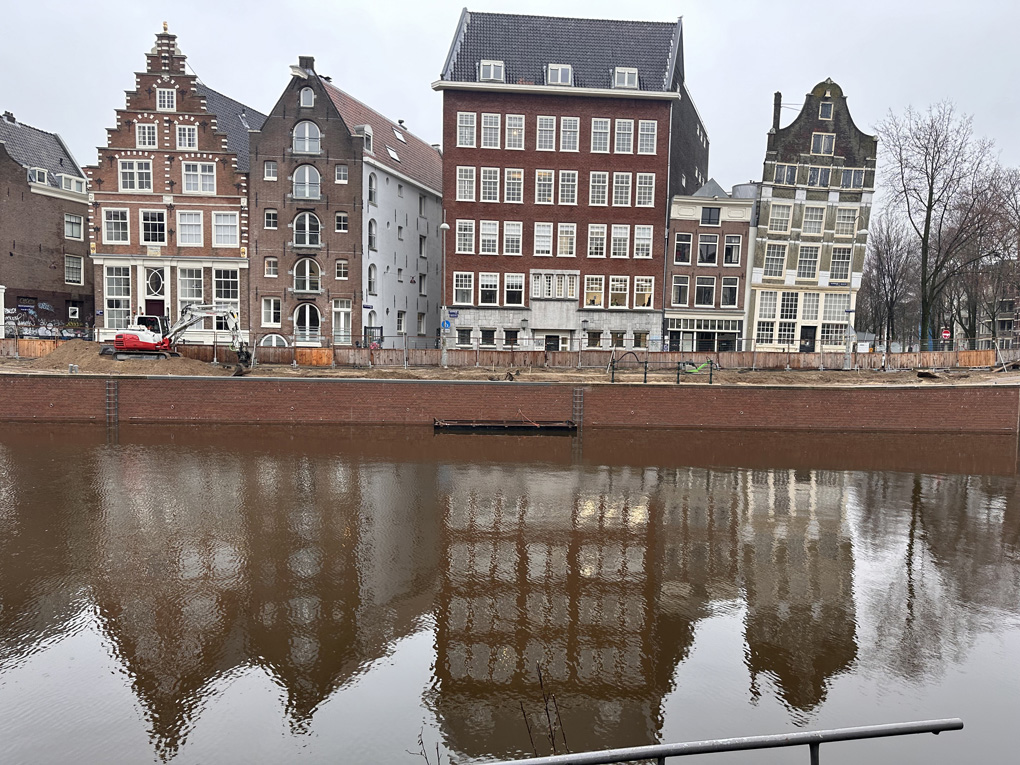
x=373 y=231
x=372 y=191
x=306 y=324
x=274 y=341
x=307 y=97
x=306 y=138
x=307 y=277
x=306 y=182
x=373 y=272
x=306 y=230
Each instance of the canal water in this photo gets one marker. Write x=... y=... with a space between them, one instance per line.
x=238 y=594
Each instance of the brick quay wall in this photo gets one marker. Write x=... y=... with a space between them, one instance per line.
x=88 y=398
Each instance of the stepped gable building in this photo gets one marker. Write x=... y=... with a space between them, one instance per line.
x=345 y=225
x=169 y=217
x=563 y=141
x=45 y=286
x=712 y=233
x=815 y=203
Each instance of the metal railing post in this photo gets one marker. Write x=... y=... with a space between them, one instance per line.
x=678 y=373
x=815 y=753
x=710 y=366
x=646 y=370
x=612 y=366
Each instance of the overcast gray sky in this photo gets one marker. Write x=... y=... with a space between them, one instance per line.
x=64 y=65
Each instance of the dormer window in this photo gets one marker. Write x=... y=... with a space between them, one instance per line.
x=825 y=110
x=625 y=77
x=70 y=183
x=307 y=97
x=36 y=175
x=366 y=132
x=490 y=71
x=559 y=74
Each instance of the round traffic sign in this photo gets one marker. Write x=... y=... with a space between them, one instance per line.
x=945 y=334
x=446 y=323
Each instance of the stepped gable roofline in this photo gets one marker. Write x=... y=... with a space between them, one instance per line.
x=592 y=47
x=31 y=147
x=418 y=160
x=233 y=118
x=711 y=189
x=864 y=146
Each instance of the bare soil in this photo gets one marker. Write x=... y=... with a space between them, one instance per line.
x=86 y=356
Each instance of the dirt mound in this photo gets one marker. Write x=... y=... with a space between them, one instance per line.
x=86 y=355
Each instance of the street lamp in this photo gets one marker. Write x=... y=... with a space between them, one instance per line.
x=849 y=292
x=580 y=340
x=444 y=317
x=524 y=332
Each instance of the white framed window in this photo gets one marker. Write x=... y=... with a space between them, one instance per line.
x=307 y=321
x=465 y=184
x=373 y=283
x=373 y=189
x=765 y=334
x=73 y=226
x=823 y=143
x=644 y=288
x=513 y=289
x=199 y=177
x=401 y=322
x=767 y=304
x=708 y=249
x=306 y=138
x=647 y=136
x=779 y=218
x=366 y=132
x=598 y=188
x=341 y=174
x=307 y=230
x=594 y=291
x=341 y=271
x=306 y=182
x=166 y=99
x=704 y=291
x=271 y=220
x=846 y=221
x=566 y=240
x=839 y=267
x=624 y=143
x=490 y=184
x=490 y=131
x=513 y=190
x=515 y=131
x=836 y=305
x=682 y=249
x=546 y=136
x=271 y=268
x=269 y=170
x=814 y=220
x=73 y=269
x=731 y=251
x=818 y=177
x=679 y=293
x=465 y=237
x=559 y=74
x=596 y=240
x=466 y=129
x=189 y=228
x=373 y=234
x=543 y=239
x=600 y=135
x=271 y=311
x=488 y=289
x=135 y=175
x=153 y=226
x=809 y=306
x=544 y=180
x=512 y=237
x=307 y=277
x=710 y=216
x=619 y=286
x=621 y=189
x=187 y=137
x=340 y=223
x=642 y=241
x=569 y=129
x=568 y=187
x=71 y=183
x=145 y=136
x=825 y=110
x=421 y=324
x=117 y=295
x=786 y=175
x=488 y=237
x=307 y=98
x=807 y=262
x=36 y=175
x=116 y=227
x=852 y=179
x=463 y=287
x=490 y=71
x=645 y=190
x=190 y=287
x=225 y=230
x=775 y=260
x=625 y=77
x=620 y=245
x=728 y=294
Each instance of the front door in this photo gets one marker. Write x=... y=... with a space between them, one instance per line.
x=154 y=307
x=674 y=340
x=552 y=342
x=807 y=339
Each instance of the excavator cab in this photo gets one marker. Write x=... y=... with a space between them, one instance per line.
x=155 y=324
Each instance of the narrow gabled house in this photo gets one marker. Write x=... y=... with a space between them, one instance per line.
x=345 y=223
x=564 y=140
x=169 y=199
x=45 y=287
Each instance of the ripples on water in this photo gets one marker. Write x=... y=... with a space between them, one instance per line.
x=234 y=594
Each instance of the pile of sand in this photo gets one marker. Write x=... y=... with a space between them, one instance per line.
x=86 y=355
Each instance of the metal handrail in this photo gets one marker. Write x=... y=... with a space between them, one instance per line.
x=811 y=739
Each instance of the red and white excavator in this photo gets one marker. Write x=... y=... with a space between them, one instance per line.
x=150 y=338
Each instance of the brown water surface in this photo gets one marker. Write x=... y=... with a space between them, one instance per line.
x=241 y=594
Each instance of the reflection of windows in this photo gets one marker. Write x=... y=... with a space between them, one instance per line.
x=187 y=137
x=271 y=267
x=767 y=305
x=269 y=170
x=621 y=189
x=645 y=190
x=836 y=305
x=166 y=99
x=809 y=306
x=341 y=174
x=341 y=271
x=766 y=332
x=788 y=305
x=118 y=296
x=566 y=246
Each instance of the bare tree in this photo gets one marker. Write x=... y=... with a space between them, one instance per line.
x=943 y=179
x=890 y=279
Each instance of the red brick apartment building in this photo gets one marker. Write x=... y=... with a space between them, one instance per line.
x=564 y=140
x=169 y=199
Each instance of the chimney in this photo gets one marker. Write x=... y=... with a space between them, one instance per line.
x=400 y=122
x=776 y=106
x=8 y=117
x=306 y=62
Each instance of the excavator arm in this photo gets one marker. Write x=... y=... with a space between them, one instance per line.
x=192 y=314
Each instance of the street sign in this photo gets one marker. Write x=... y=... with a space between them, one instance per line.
x=945 y=333
x=453 y=314
x=446 y=324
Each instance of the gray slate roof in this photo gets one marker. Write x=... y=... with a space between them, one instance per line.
x=32 y=147
x=593 y=47
x=711 y=189
x=233 y=118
